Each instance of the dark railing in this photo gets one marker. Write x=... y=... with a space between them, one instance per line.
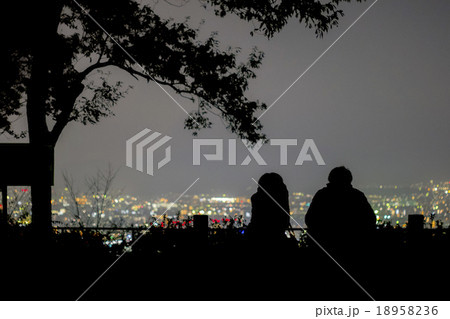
x=416 y=228
x=135 y=232
x=396 y=234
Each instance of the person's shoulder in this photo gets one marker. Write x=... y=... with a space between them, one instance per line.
x=358 y=193
x=256 y=196
x=323 y=191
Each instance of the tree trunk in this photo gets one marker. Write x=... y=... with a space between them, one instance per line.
x=41 y=196
x=43 y=55
x=39 y=137
x=41 y=191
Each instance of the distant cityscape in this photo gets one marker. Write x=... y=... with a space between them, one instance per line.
x=391 y=204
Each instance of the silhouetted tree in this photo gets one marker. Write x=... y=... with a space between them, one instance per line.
x=56 y=55
x=99 y=194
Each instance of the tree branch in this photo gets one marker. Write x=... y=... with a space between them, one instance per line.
x=92 y=67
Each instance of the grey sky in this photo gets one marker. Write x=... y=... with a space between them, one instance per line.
x=377 y=102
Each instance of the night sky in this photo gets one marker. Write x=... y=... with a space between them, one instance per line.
x=376 y=102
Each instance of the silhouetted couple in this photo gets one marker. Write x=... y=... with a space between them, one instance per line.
x=339 y=215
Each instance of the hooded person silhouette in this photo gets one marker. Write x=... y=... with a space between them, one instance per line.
x=339 y=215
x=270 y=211
x=269 y=249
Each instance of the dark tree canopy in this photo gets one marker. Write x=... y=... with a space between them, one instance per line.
x=56 y=60
x=273 y=15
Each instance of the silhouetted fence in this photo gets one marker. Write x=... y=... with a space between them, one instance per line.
x=129 y=234
x=117 y=235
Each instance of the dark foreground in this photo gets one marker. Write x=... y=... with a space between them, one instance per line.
x=185 y=267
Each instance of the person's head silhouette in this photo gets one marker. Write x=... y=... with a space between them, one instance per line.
x=270 y=182
x=340 y=176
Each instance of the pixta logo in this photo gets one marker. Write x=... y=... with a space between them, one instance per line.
x=141 y=148
x=144 y=145
x=309 y=148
